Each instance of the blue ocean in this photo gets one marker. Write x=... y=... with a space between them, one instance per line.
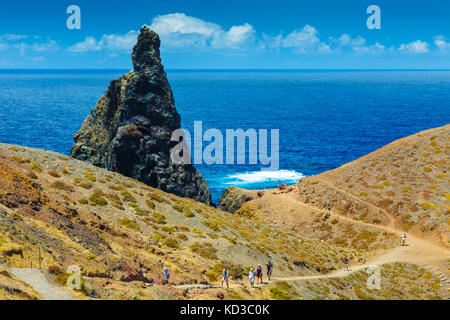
x=325 y=118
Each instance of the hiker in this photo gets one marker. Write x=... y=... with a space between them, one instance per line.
x=166 y=275
x=403 y=239
x=269 y=269
x=225 y=278
x=251 y=277
x=259 y=273
x=345 y=262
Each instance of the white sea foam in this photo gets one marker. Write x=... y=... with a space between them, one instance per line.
x=285 y=176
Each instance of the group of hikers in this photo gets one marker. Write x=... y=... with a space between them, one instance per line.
x=226 y=277
x=258 y=274
x=251 y=276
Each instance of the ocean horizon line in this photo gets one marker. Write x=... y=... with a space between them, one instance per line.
x=236 y=70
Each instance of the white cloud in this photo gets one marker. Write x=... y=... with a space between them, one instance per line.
x=178 y=30
x=237 y=37
x=302 y=40
x=442 y=43
x=179 y=23
x=109 y=42
x=373 y=49
x=12 y=37
x=417 y=47
x=89 y=44
x=49 y=46
x=38 y=59
x=345 y=40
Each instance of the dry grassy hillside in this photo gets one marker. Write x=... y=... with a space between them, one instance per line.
x=405 y=184
x=122 y=232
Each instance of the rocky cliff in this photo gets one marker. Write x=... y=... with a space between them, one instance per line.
x=129 y=130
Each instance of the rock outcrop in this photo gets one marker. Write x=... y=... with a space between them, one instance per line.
x=234 y=198
x=129 y=130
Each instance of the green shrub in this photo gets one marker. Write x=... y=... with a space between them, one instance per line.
x=98 y=200
x=205 y=250
x=189 y=213
x=172 y=243
x=130 y=224
x=55 y=174
x=282 y=291
x=62 y=186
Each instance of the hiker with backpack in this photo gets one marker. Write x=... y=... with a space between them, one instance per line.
x=345 y=260
x=259 y=274
x=403 y=239
x=225 y=278
x=269 y=269
x=166 y=274
x=251 y=277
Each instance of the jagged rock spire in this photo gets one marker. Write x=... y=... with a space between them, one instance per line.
x=146 y=51
x=129 y=130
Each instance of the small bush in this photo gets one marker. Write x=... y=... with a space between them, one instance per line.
x=182 y=237
x=54 y=269
x=150 y=204
x=36 y=167
x=282 y=291
x=205 y=250
x=90 y=176
x=62 y=186
x=55 y=174
x=211 y=224
x=158 y=218
x=172 y=243
x=178 y=207
x=130 y=224
x=86 y=185
x=155 y=196
x=98 y=200
x=189 y=213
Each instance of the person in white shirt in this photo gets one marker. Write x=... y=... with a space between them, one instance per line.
x=251 y=277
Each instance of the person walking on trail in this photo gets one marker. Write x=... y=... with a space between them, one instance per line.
x=269 y=269
x=251 y=277
x=225 y=278
x=403 y=239
x=166 y=275
x=259 y=274
x=345 y=262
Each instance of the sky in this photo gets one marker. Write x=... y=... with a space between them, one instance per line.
x=232 y=34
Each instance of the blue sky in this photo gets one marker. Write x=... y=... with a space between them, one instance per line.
x=229 y=34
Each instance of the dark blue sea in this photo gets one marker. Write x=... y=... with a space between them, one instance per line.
x=325 y=118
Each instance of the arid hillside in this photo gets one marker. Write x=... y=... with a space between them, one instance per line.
x=404 y=185
x=122 y=233
x=56 y=212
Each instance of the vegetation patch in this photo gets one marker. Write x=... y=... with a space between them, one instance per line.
x=130 y=224
x=205 y=250
x=98 y=200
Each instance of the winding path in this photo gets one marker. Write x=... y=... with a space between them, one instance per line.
x=38 y=280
